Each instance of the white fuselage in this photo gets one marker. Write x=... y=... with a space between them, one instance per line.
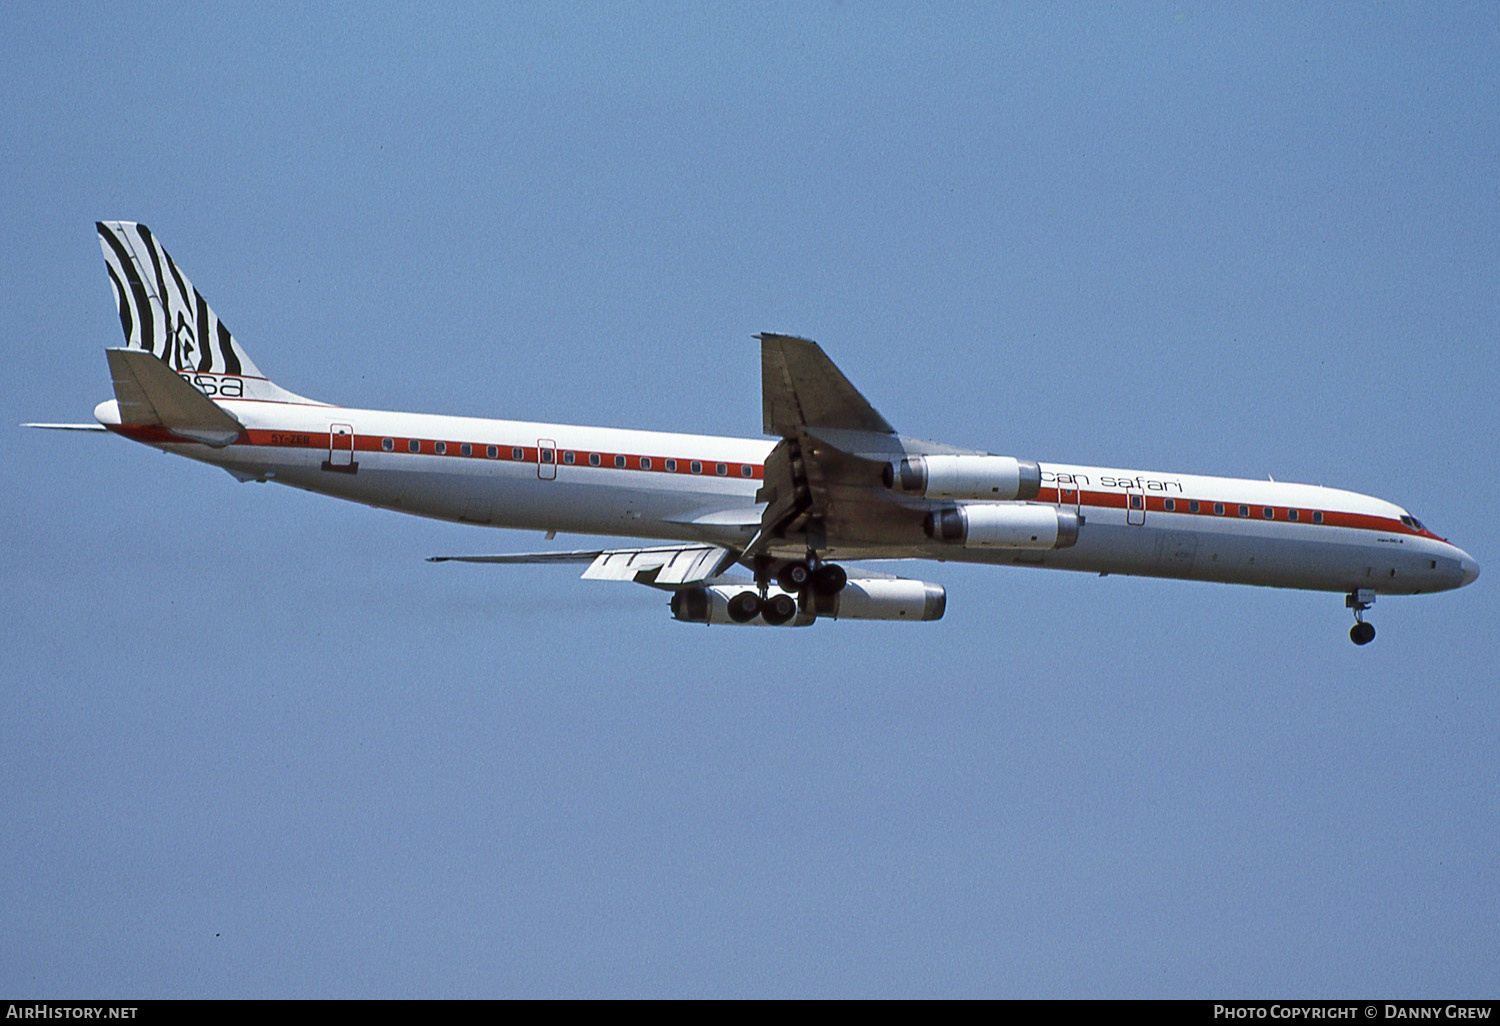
x=644 y=484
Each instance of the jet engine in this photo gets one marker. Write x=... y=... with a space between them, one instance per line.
x=860 y=599
x=983 y=525
x=996 y=478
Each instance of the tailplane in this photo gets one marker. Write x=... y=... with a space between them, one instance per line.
x=149 y=394
x=162 y=314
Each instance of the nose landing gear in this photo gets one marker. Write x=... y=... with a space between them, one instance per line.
x=1360 y=600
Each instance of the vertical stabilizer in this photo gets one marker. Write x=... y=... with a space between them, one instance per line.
x=162 y=314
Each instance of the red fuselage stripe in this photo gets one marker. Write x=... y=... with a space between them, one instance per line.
x=505 y=453
x=532 y=454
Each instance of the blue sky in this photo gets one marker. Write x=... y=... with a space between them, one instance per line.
x=254 y=745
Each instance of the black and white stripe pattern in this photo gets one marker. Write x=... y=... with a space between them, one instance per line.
x=160 y=311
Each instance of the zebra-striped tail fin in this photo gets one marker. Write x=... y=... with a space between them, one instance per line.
x=162 y=314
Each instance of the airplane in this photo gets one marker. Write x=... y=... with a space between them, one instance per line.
x=749 y=531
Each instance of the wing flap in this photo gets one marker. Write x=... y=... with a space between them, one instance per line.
x=662 y=566
x=665 y=566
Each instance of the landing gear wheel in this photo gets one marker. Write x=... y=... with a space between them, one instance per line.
x=829 y=579
x=744 y=607
x=778 y=609
x=794 y=577
x=1360 y=600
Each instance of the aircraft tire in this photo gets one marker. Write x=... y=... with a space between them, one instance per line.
x=794 y=577
x=829 y=579
x=1362 y=633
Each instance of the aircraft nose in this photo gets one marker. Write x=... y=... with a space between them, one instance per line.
x=1468 y=569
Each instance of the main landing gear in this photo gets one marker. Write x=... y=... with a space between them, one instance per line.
x=1360 y=600
x=807 y=579
x=824 y=578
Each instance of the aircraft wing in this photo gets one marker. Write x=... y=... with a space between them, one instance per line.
x=800 y=387
x=823 y=485
x=663 y=566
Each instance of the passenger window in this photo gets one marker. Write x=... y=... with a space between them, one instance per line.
x=1317 y=516
x=388 y=444
x=672 y=466
x=440 y=448
x=747 y=470
x=620 y=462
x=466 y=449
x=568 y=457
x=1193 y=506
x=696 y=467
x=1268 y=513
x=1169 y=504
x=518 y=453
x=1218 y=509
x=492 y=451
x=1291 y=515
x=413 y=446
x=594 y=459
x=1136 y=502
x=721 y=469
x=1244 y=510
x=645 y=462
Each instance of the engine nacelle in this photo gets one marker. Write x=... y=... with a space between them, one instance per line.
x=860 y=599
x=994 y=478
x=983 y=525
x=884 y=599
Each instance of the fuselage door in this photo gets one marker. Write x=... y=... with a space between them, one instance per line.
x=546 y=459
x=1070 y=494
x=1135 y=507
x=341 y=449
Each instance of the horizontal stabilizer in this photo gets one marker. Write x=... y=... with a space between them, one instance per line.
x=68 y=427
x=150 y=394
x=667 y=566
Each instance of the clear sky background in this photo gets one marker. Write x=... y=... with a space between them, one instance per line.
x=251 y=744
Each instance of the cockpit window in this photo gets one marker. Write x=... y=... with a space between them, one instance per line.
x=1411 y=521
